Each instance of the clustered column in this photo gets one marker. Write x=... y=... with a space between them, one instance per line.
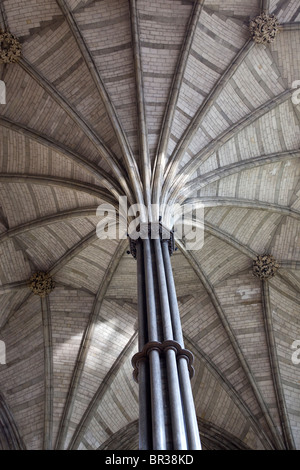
x=163 y=366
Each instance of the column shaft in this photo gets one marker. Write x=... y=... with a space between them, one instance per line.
x=186 y=389
x=167 y=413
x=157 y=405
x=145 y=434
x=178 y=431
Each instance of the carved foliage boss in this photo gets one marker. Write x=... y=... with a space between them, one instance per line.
x=10 y=48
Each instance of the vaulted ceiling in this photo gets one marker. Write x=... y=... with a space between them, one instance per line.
x=219 y=126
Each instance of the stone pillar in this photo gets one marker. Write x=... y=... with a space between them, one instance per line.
x=162 y=367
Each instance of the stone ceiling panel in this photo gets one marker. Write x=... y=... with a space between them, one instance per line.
x=115 y=406
x=32 y=16
x=51 y=243
x=286 y=243
x=245 y=314
x=214 y=341
x=86 y=266
x=106 y=30
x=70 y=309
x=22 y=378
x=211 y=53
x=102 y=355
x=286 y=325
x=287 y=11
x=10 y=303
x=235 y=8
x=208 y=388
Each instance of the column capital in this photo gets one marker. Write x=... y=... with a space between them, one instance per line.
x=152 y=231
